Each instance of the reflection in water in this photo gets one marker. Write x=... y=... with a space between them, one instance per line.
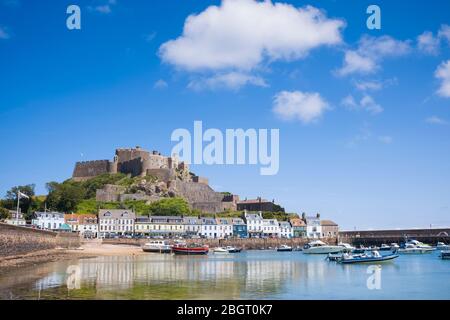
x=249 y=275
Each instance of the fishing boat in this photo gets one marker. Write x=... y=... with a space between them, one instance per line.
x=442 y=246
x=159 y=246
x=445 y=255
x=284 y=248
x=220 y=250
x=319 y=247
x=416 y=247
x=373 y=257
x=190 y=249
x=233 y=249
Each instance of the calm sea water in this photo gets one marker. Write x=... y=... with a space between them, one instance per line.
x=246 y=275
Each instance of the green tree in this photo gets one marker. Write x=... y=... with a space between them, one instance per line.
x=65 y=197
x=170 y=207
x=10 y=201
x=4 y=214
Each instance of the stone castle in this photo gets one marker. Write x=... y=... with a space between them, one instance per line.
x=172 y=178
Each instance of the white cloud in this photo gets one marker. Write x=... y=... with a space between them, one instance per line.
x=374 y=85
x=105 y=8
x=296 y=105
x=160 y=84
x=428 y=43
x=444 y=32
x=369 y=104
x=436 y=120
x=366 y=103
x=242 y=34
x=230 y=80
x=370 y=52
x=385 y=139
x=443 y=73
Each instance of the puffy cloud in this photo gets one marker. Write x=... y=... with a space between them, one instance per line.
x=443 y=73
x=4 y=34
x=230 y=80
x=428 y=43
x=444 y=32
x=436 y=120
x=296 y=105
x=366 y=103
x=241 y=34
x=370 y=52
x=160 y=84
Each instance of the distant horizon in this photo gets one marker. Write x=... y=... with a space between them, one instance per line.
x=363 y=113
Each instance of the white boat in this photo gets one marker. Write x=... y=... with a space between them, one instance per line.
x=220 y=250
x=416 y=247
x=347 y=247
x=319 y=247
x=231 y=249
x=445 y=255
x=442 y=246
x=160 y=246
x=394 y=246
x=284 y=248
x=385 y=247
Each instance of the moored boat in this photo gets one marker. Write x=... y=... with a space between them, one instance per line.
x=319 y=247
x=158 y=246
x=416 y=247
x=373 y=257
x=445 y=255
x=233 y=249
x=190 y=249
x=220 y=250
x=442 y=246
x=347 y=247
x=385 y=247
x=284 y=248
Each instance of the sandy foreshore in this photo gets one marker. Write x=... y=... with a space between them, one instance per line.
x=87 y=250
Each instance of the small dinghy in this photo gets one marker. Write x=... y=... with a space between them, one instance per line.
x=284 y=248
x=366 y=258
x=220 y=250
x=231 y=249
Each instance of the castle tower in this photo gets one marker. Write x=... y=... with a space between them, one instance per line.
x=113 y=165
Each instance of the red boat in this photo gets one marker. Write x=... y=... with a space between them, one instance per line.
x=190 y=249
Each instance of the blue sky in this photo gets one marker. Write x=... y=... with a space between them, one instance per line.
x=364 y=123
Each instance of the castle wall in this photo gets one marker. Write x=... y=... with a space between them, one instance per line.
x=124 y=155
x=164 y=175
x=133 y=167
x=200 y=180
x=89 y=169
x=109 y=193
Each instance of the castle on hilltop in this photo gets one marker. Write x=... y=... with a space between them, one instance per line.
x=173 y=179
x=133 y=161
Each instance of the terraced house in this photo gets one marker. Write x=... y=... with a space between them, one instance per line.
x=116 y=222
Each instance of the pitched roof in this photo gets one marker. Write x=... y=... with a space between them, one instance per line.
x=328 y=223
x=116 y=214
x=297 y=222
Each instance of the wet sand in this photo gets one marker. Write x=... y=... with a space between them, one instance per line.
x=87 y=250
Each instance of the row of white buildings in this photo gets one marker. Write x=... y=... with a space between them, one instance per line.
x=119 y=222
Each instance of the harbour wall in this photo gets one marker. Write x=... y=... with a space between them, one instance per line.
x=15 y=240
x=250 y=243
x=378 y=237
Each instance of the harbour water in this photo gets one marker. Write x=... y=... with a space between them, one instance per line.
x=246 y=275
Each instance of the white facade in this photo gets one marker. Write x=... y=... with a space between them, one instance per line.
x=116 y=221
x=270 y=228
x=208 y=228
x=192 y=225
x=254 y=224
x=48 y=220
x=286 y=230
x=224 y=228
x=313 y=227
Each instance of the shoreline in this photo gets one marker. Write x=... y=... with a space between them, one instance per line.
x=9 y=263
